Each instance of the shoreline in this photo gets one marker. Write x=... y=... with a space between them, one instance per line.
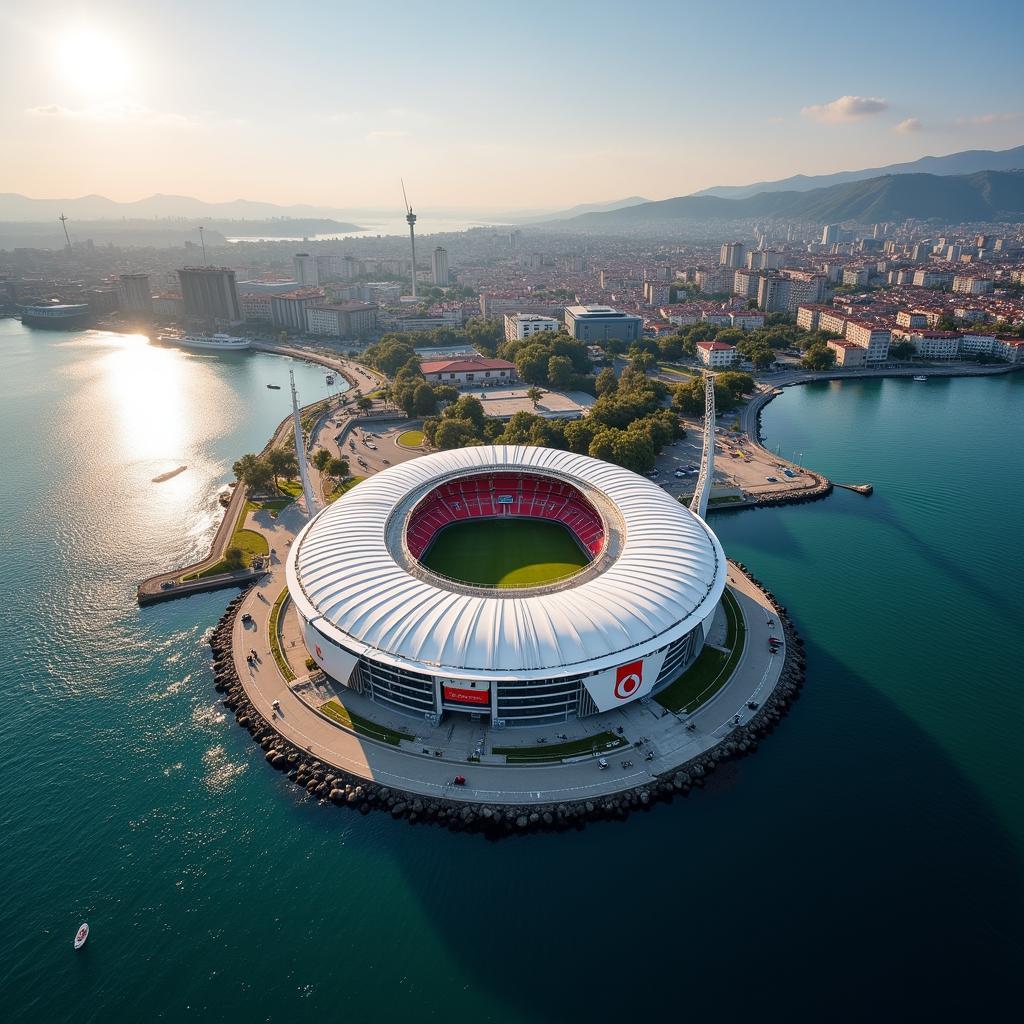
x=750 y=420
x=329 y=783
x=150 y=590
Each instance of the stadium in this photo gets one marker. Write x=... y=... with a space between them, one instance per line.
x=519 y=585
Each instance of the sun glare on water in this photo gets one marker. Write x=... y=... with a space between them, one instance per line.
x=93 y=62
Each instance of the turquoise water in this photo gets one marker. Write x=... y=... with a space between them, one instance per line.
x=865 y=861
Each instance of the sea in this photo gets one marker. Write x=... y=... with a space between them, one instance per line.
x=864 y=863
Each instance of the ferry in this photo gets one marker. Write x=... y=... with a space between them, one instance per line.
x=56 y=316
x=919 y=376
x=208 y=342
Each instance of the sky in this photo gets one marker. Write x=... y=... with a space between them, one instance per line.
x=490 y=106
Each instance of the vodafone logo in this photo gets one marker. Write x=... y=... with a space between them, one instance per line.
x=628 y=679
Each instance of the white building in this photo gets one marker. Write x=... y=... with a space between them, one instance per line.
x=439 y=267
x=307 y=273
x=747 y=320
x=871 y=337
x=522 y=325
x=716 y=354
x=848 y=354
x=935 y=344
x=474 y=370
x=970 y=285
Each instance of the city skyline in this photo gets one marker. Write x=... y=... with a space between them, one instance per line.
x=478 y=111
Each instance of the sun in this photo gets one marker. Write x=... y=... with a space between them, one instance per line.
x=93 y=62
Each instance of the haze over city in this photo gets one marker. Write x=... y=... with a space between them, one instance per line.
x=508 y=510
x=486 y=108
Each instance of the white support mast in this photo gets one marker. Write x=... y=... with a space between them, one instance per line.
x=300 y=450
x=699 y=504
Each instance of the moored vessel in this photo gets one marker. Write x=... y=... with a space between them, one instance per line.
x=56 y=316
x=208 y=342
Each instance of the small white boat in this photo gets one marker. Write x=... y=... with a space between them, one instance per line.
x=918 y=376
x=81 y=935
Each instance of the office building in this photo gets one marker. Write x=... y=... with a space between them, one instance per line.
x=135 y=296
x=595 y=324
x=522 y=325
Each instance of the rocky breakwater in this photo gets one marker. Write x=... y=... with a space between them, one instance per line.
x=331 y=785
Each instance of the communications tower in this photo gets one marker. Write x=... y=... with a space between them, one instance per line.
x=410 y=219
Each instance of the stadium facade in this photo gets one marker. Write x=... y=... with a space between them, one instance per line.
x=627 y=624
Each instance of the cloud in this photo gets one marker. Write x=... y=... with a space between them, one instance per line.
x=115 y=112
x=986 y=119
x=387 y=135
x=908 y=126
x=846 y=108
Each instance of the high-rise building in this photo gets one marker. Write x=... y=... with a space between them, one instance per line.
x=306 y=271
x=731 y=255
x=135 y=294
x=439 y=267
x=210 y=293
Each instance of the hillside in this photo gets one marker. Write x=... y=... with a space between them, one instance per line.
x=985 y=196
x=966 y=162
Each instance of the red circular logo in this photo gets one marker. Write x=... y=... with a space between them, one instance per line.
x=627 y=684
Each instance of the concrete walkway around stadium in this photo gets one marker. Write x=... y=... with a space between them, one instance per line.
x=646 y=726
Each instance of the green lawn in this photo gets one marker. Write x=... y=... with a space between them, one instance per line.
x=712 y=670
x=290 y=487
x=274 y=629
x=363 y=726
x=274 y=506
x=505 y=552
x=602 y=743
x=411 y=438
x=343 y=488
x=249 y=541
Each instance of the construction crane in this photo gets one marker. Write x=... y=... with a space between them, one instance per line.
x=67 y=238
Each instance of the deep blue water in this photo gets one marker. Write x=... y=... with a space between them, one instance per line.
x=866 y=861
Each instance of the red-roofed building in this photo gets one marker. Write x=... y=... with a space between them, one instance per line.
x=716 y=354
x=475 y=371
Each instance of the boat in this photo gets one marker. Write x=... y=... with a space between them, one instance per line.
x=919 y=376
x=274 y=387
x=330 y=378
x=81 y=935
x=208 y=342
x=161 y=477
x=56 y=316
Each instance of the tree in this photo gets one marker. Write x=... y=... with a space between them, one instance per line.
x=234 y=559
x=337 y=468
x=253 y=471
x=532 y=364
x=534 y=394
x=282 y=462
x=455 y=433
x=631 y=449
x=607 y=382
x=321 y=457
x=902 y=348
x=642 y=361
x=818 y=357
x=468 y=407
x=364 y=403
x=560 y=372
x=688 y=398
x=603 y=444
x=578 y=435
x=424 y=401
x=736 y=384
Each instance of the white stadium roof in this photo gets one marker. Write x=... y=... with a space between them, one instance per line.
x=668 y=576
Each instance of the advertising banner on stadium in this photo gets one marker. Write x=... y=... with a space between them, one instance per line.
x=624 y=683
x=338 y=664
x=477 y=693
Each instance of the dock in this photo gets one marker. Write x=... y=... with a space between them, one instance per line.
x=859 y=488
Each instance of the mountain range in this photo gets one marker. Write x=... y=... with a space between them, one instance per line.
x=985 y=196
x=966 y=162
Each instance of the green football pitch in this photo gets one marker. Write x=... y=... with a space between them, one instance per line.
x=505 y=552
